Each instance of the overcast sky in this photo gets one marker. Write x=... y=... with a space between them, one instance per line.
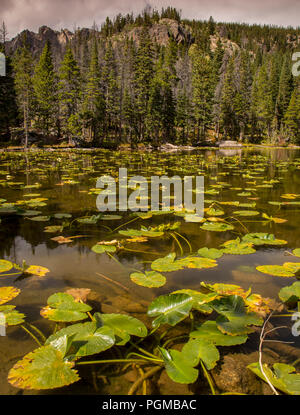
x=31 y=14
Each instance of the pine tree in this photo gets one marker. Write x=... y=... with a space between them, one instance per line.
x=284 y=89
x=23 y=68
x=70 y=94
x=292 y=115
x=93 y=111
x=45 y=88
x=202 y=82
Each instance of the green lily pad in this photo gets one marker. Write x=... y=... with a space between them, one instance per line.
x=209 y=331
x=5 y=265
x=44 y=368
x=216 y=226
x=101 y=248
x=260 y=238
x=200 y=349
x=123 y=326
x=62 y=215
x=168 y=263
x=290 y=294
x=12 y=316
x=178 y=367
x=170 y=309
x=211 y=253
x=143 y=232
x=236 y=247
x=40 y=218
x=246 y=212
x=276 y=270
x=200 y=301
x=282 y=377
x=63 y=308
x=87 y=338
x=149 y=279
x=296 y=252
x=234 y=319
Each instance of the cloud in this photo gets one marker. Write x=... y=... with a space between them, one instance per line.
x=31 y=14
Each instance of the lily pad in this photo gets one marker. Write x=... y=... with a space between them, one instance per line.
x=5 y=265
x=8 y=293
x=236 y=247
x=37 y=270
x=211 y=253
x=290 y=294
x=101 y=248
x=87 y=338
x=209 y=331
x=200 y=349
x=123 y=326
x=178 y=367
x=216 y=226
x=44 y=368
x=276 y=270
x=282 y=377
x=12 y=316
x=246 y=212
x=260 y=238
x=63 y=308
x=170 y=309
x=149 y=279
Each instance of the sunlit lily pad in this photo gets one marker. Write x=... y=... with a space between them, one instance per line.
x=87 y=338
x=37 y=270
x=178 y=367
x=101 y=248
x=282 y=377
x=123 y=326
x=216 y=226
x=149 y=279
x=211 y=253
x=296 y=252
x=12 y=316
x=276 y=270
x=170 y=309
x=290 y=294
x=236 y=247
x=62 y=307
x=8 y=293
x=5 y=265
x=44 y=368
x=246 y=212
x=260 y=238
x=209 y=331
x=200 y=349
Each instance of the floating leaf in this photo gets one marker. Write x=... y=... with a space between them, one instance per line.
x=236 y=247
x=200 y=301
x=62 y=215
x=246 y=212
x=200 y=349
x=211 y=253
x=276 y=270
x=216 y=226
x=5 y=265
x=37 y=270
x=209 y=331
x=87 y=338
x=8 y=293
x=44 y=368
x=234 y=318
x=53 y=229
x=12 y=316
x=148 y=279
x=40 y=218
x=123 y=326
x=260 y=238
x=282 y=376
x=290 y=294
x=178 y=367
x=149 y=233
x=101 y=248
x=170 y=309
x=62 y=307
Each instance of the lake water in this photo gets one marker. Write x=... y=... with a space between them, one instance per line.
x=65 y=180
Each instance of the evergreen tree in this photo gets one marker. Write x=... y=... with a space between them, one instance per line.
x=70 y=95
x=292 y=115
x=45 y=88
x=23 y=68
x=284 y=89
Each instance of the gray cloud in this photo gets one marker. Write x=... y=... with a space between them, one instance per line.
x=31 y=14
